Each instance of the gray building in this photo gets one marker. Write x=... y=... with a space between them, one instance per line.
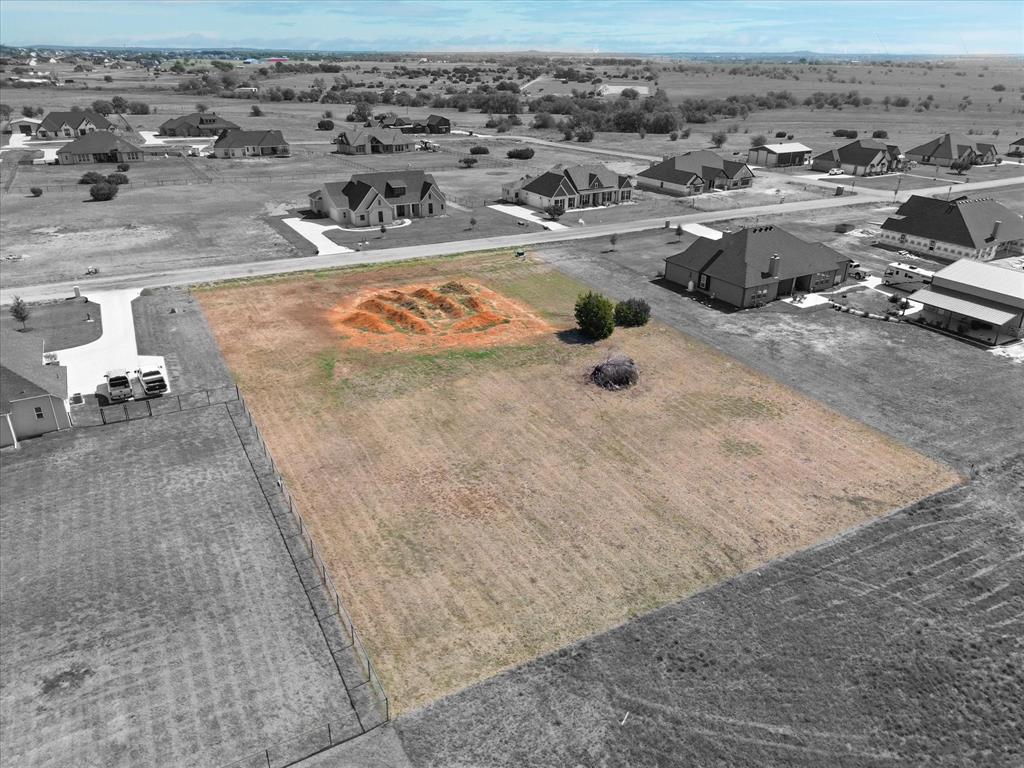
x=755 y=265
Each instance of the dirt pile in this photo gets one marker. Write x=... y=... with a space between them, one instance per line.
x=451 y=314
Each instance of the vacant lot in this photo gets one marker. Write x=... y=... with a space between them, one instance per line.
x=152 y=615
x=898 y=644
x=481 y=506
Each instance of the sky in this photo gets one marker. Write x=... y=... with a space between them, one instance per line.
x=603 y=26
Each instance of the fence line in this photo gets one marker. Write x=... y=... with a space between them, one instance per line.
x=302 y=746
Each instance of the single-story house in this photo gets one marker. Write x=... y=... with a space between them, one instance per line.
x=755 y=265
x=33 y=396
x=26 y=126
x=196 y=124
x=99 y=147
x=239 y=143
x=372 y=199
x=373 y=141
x=694 y=172
x=68 y=124
x=981 y=229
x=1016 y=148
x=578 y=186
x=949 y=147
x=863 y=157
x=779 y=155
x=982 y=301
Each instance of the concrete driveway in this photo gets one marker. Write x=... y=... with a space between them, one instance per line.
x=116 y=348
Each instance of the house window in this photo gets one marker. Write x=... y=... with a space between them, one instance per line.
x=702 y=281
x=39 y=412
x=362 y=217
x=380 y=217
x=430 y=209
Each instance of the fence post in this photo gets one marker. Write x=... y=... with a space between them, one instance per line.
x=330 y=740
x=267 y=752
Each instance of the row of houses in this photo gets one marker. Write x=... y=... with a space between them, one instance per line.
x=868 y=157
x=106 y=147
x=756 y=265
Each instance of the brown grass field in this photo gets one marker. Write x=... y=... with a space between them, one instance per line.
x=481 y=506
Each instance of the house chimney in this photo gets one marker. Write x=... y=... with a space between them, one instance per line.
x=995 y=229
x=773 y=265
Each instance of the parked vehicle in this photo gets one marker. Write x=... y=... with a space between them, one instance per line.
x=898 y=272
x=119 y=386
x=856 y=271
x=152 y=382
x=835 y=172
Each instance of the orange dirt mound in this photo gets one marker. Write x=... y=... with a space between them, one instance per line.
x=365 y=321
x=448 y=315
x=402 y=318
x=479 y=322
x=438 y=301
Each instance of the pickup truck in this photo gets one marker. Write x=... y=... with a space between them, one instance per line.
x=151 y=382
x=119 y=386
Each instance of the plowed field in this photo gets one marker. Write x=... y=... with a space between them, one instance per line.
x=481 y=504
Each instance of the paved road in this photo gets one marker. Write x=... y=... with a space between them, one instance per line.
x=280 y=266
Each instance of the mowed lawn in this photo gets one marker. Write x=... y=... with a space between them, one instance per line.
x=480 y=507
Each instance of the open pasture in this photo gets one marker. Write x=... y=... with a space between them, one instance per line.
x=480 y=505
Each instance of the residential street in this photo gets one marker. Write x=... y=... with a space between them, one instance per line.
x=136 y=280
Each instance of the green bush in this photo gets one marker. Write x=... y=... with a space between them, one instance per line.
x=879 y=134
x=103 y=191
x=92 y=177
x=117 y=179
x=584 y=134
x=632 y=312
x=325 y=125
x=123 y=167
x=595 y=315
x=523 y=153
x=479 y=150
x=36 y=191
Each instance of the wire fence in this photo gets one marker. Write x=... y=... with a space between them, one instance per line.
x=371 y=706
x=366 y=692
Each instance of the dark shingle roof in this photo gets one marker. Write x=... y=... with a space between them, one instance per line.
x=350 y=194
x=97 y=142
x=54 y=120
x=356 y=136
x=575 y=179
x=209 y=120
x=702 y=163
x=950 y=146
x=859 y=152
x=438 y=120
x=22 y=373
x=742 y=258
x=962 y=221
x=240 y=138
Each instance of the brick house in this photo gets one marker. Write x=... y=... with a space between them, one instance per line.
x=945 y=149
x=99 y=147
x=578 y=186
x=755 y=265
x=373 y=141
x=196 y=124
x=372 y=199
x=981 y=229
x=59 y=125
x=863 y=157
x=694 y=172
x=239 y=143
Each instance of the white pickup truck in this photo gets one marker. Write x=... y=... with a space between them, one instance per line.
x=149 y=382
x=119 y=386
